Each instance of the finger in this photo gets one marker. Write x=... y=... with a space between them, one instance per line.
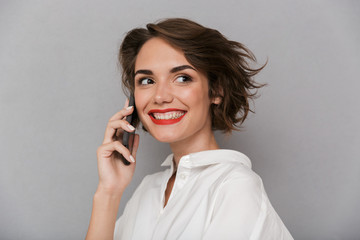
x=126 y=103
x=114 y=124
x=106 y=150
x=122 y=113
x=124 y=151
x=119 y=126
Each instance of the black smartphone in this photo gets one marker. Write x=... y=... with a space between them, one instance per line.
x=128 y=137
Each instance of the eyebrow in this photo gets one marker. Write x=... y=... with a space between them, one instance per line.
x=173 y=70
x=180 y=68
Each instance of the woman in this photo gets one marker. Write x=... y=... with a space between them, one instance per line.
x=188 y=81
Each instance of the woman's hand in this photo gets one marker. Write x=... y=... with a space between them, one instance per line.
x=114 y=175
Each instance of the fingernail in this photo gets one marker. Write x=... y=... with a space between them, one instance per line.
x=130 y=107
x=132 y=159
x=130 y=127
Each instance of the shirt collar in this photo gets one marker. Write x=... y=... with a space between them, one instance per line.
x=209 y=157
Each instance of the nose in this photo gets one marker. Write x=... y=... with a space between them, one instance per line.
x=163 y=93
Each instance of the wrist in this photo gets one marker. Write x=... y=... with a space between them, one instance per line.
x=110 y=193
x=106 y=202
x=103 y=216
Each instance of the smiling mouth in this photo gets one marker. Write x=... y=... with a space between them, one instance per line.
x=166 y=116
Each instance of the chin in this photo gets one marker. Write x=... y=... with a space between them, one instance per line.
x=166 y=137
x=164 y=133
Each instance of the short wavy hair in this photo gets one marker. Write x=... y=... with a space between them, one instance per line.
x=225 y=62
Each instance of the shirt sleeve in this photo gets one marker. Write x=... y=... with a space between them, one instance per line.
x=243 y=211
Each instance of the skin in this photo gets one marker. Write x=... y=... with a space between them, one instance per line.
x=114 y=177
x=164 y=79
x=167 y=89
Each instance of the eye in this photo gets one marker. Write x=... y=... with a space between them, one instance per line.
x=183 y=79
x=145 y=81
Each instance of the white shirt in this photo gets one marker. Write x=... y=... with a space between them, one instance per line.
x=216 y=195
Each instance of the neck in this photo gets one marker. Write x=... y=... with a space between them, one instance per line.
x=201 y=142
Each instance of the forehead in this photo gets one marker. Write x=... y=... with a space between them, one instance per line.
x=157 y=53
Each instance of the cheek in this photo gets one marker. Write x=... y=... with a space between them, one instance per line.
x=193 y=94
x=196 y=98
x=140 y=101
x=140 y=98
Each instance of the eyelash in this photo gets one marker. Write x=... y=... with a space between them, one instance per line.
x=150 y=81
x=186 y=77
x=145 y=78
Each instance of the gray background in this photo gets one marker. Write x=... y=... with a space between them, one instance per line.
x=60 y=83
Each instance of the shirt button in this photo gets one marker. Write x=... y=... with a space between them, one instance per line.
x=182 y=176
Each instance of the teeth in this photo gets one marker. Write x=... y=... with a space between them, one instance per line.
x=168 y=115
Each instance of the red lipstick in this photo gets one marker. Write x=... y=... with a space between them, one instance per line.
x=165 y=121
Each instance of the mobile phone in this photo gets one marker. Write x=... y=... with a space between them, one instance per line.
x=128 y=137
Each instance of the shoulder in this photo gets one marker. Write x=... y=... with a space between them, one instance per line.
x=240 y=182
x=236 y=172
x=238 y=185
x=241 y=175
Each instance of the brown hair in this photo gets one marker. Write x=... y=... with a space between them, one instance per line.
x=225 y=62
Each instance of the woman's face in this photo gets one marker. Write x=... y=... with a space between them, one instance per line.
x=171 y=95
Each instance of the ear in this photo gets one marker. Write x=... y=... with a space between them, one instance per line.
x=216 y=100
